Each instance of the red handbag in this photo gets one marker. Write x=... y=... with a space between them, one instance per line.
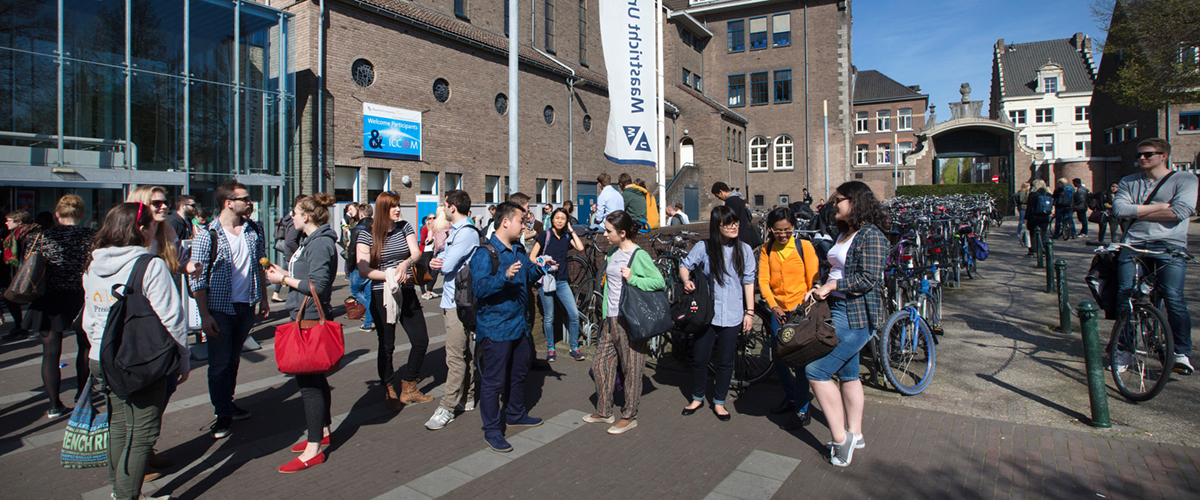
x=304 y=347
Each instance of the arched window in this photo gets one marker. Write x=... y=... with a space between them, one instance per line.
x=758 y=154
x=784 y=158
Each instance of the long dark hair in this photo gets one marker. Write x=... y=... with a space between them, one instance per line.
x=382 y=225
x=722 y=216
x=565 y=214
x=865 y=207
x=122 y=228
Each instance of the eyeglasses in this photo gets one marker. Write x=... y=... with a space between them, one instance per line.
x=783 y=231
x=1149 y=154
x=160 y=203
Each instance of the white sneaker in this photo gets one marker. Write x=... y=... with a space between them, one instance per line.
x=468 y=406
x=1122 y=359
x=862 y=443
x=440 y=418
x=1183 y=365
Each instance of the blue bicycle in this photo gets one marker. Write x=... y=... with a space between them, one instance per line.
x=906 y=349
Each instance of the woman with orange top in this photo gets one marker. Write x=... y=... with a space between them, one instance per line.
x=787 y=269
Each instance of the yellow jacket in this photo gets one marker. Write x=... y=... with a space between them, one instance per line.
x=651 y=207
x=783 y=282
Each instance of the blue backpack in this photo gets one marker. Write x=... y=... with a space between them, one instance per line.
x=1044 y=205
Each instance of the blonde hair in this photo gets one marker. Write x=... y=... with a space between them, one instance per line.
x=1039 y=184
x=166 y=249
x=316 y=207
x=439 y=223
x=70 y=206
x=1062 y=181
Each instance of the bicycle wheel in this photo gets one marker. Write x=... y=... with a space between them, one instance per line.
x=578 y=271
x=753 y=359
x=1148 y=349
x=668 y=266
x=909 y=354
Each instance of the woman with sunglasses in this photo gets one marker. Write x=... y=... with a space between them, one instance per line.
x=165 y=243
x=729 y=265
x=854 y=289
x=387 y=249
x=433 y=238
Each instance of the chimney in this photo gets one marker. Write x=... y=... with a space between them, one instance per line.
x=1077 y=41
x=915 y=88
x=999 y=45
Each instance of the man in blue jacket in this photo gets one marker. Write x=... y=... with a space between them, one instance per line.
x=502 y=328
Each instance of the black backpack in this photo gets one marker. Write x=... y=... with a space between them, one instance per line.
x=464 y=291
x=693 y=312
x=134 y=362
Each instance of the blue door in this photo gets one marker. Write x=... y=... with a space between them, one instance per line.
x=691 y=203
x=585 y=197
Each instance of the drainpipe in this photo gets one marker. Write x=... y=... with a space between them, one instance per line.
x=825 y=105
x=660 y=116
x=514 y=48
x=807 y=144
x=320 y=167
x=570 y=122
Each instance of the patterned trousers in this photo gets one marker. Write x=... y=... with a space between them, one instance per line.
x=614 y=346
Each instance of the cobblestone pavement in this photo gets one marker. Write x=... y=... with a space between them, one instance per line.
x=976 y=433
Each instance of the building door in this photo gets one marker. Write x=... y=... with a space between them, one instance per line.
x=585 y=196
x=686 y=154
x=691 y=203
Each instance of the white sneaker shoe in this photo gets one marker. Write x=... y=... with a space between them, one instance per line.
x=1122 y=359
x=440 y=418
x=468 y=406
x=1183 y=365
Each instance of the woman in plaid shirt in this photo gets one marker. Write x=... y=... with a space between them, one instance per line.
x=853 y=289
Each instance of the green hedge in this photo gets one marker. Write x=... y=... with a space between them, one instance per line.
x=998 y=191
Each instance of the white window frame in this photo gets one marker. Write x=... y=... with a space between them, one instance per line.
x=758 y=154
x=1018 y=117
x=783 y=154
x=424 y=176
x=905 y=147
x=1084 y=140
x=1040 y=143
x=453 y=181
x=862 y=154
x=904 y=119
x=1043 y=115
x=387 y=180
x=862 y=122
x=1047 y=80
x=883 y=153
x=883 y=120
x=493 y=185
x=1086 y=111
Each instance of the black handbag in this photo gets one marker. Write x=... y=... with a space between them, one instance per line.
x=644 y=314
x=808 y=336
x=29 y=284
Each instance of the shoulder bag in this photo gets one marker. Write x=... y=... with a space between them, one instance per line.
x=304 y=347
x=808 y=336
x=29 y=284
x=644 y=314
x=85 y=442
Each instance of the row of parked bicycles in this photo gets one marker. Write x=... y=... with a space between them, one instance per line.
x=936 y=242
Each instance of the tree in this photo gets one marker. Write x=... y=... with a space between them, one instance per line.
x=1155 y=44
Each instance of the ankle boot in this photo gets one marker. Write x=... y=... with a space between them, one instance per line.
x=393 y=401
x=409 y=393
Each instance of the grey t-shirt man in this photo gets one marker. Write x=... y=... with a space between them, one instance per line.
x=1178 y=190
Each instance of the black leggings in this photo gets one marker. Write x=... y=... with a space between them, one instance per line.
x=14 y=309
x=314 y=391
x=412 y=318
x=51 y=353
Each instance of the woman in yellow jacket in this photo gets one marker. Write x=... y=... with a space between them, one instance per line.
x=787 y=268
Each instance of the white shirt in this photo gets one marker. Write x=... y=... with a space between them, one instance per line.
x=239 y=283
x=837 y=259
x=609 y=201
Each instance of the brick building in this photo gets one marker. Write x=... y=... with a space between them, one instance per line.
x=886 y=116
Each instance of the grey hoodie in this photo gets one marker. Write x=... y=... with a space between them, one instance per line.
x=314 y=262
x=111 y=266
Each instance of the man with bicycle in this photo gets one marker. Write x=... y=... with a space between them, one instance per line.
x=1159 y=204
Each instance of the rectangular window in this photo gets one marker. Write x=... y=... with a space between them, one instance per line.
x=492 y=189
x=1017 y=116
x=549 y=26
x=378 y=181
x=543 y=194
x=453 y=181
x=861 y=152
x=905 y=148
x=687 y=37
x=758 y=88
x=460 y=8
x=1044 y=143
x=736 y=32
x=1083 y=113
x=1083 y=145
x=861 y=122
x=904 y=119
x=1051 y=84
x=783 y=85
x=583 y=32
x=883 y=120
x=687 y=78
x=1189 y=121
x=728 y=143
x=696 y=82
x=556 y=195
x=781 y=30
x=345 y=188
x=429 y=183
x=506 y=17
x=1108 y=136
x=883 y=153
x=758 y=33
x=737 y=90
x=1044 y=115
x=759 y=200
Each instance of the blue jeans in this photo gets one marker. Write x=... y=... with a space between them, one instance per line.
x=504 y=366
x=1064 y=217
x=360 y=289
x=843 y=361
x=725 y=338
x=562 y=290
x=224 y=355
x=1172 y=271
x=784 y=372
x=1020 y=220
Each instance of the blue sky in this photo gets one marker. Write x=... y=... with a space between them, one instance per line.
x=939 y=44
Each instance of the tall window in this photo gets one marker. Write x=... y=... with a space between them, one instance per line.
x=506 y=17
x=1189 y=121
x=904 y=119
x=492 y=189
x=758 y=32
x=696 y=82
x=883 y=153
x=861 y=122
x=740 y=154
x=1083 y=144
x=783 y=85
x=737 y=90
x=460 y=8
x=784 y=153
x=883 y=120
x=378 y=181
x=453 y=181
x=861 y=153
x=1044 y=115
x=758 y=154
x=758 y=88
x=904 y=148
x=550 y=26
x=687 y=77
x=1045 y=143
x=583 y=32
x=736 y=32
x=1051 y=84
x=429 y=183
x=1017 y=116
x=1083 y=113
x=781 y=30
x=728 y=143
x=543 y=191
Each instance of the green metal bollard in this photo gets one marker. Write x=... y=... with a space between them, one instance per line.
x=1049 y=268
x=1097 y=392
x=1064 y=298
x=1038 y=243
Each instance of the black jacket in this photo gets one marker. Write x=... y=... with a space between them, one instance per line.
x=316 y=264
x=747 y=232
x=364 y=224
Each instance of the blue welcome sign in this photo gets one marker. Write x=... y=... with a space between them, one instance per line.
x=391 y=132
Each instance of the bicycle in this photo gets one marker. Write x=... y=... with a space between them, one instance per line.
x=1141 y=350
x=905 y=351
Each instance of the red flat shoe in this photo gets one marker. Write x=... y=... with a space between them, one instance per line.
x=297 y=465
x=299 y=447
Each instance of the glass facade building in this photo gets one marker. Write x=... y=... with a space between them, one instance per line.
x=99 y=96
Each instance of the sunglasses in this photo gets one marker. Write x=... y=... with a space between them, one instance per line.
x=839 y=199
x=245 y=199
x=160 y=203
x=1149 y=154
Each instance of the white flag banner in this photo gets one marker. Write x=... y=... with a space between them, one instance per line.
x=627 y=33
